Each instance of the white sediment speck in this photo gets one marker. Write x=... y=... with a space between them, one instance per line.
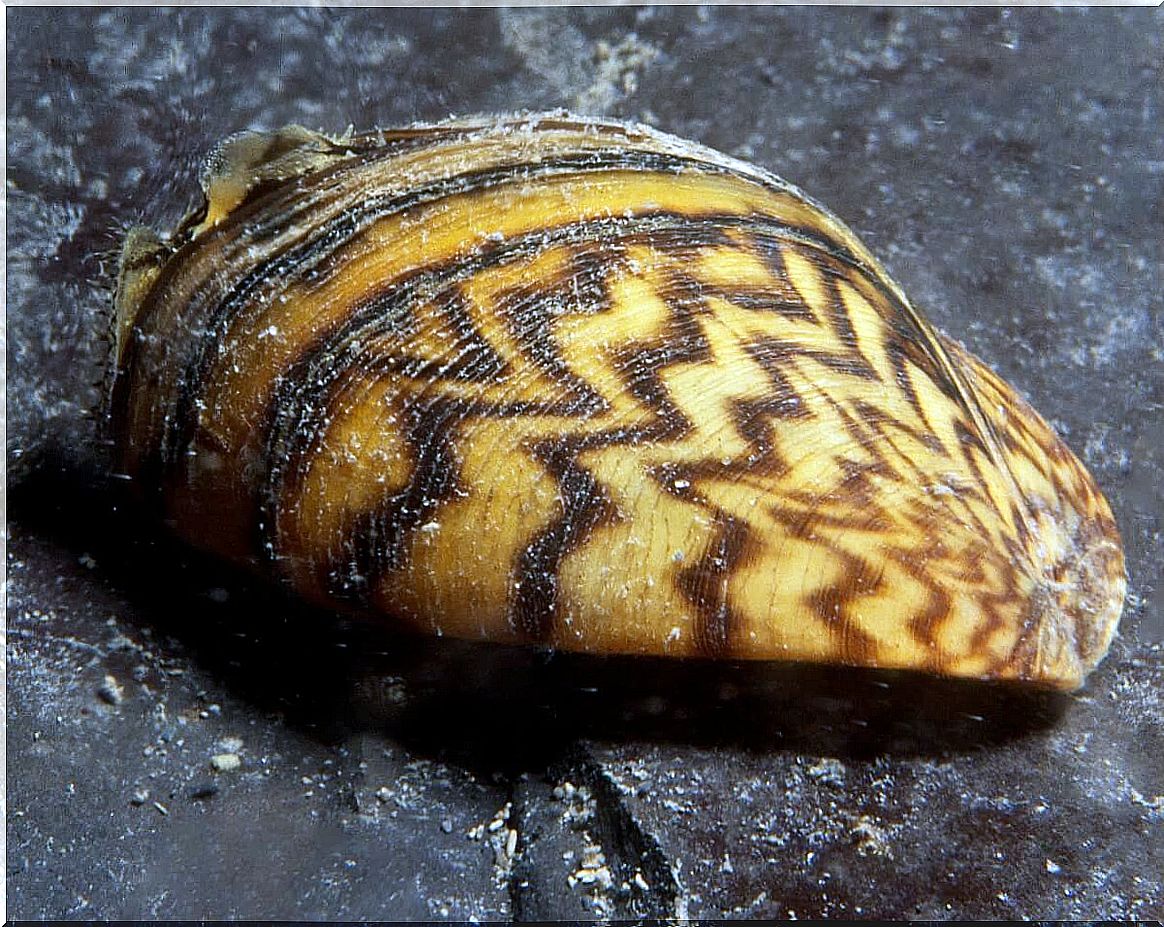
x=225 y=762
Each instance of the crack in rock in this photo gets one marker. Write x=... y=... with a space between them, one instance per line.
x=582 y=853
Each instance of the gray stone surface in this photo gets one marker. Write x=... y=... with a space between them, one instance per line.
x=1006 y=165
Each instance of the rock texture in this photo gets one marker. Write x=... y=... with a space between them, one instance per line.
x=1006 y=165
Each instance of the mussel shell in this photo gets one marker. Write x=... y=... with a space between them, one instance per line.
x=582 y=384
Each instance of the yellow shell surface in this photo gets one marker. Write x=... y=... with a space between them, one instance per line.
x=581 y=384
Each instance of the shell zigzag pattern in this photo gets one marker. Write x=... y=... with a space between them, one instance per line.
x=585 y=385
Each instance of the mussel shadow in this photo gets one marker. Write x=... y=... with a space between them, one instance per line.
x=494 y=707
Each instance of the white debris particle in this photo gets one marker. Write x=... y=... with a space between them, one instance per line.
x=225 y=762
x=1155 y=804
x=564 y=792
x=588 y=876
x=580 y=807
x=1053 y=867
x=591 y=869
x=828 y=771
x=592 y=856
x=870 y=838
x=503 y=839
x=110 y=691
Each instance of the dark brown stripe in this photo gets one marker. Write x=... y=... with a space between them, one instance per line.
x=784 y=401
x=771 y=241
x=754 y=421
x=849 y=365
x=382 y=537
x=869 y=430
x=878 y=420
x=535 y=608
x=705 y=583
x=757 y=300
x=855 y=647
x=641 y=364
x=924 y=625
x=531 y=311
